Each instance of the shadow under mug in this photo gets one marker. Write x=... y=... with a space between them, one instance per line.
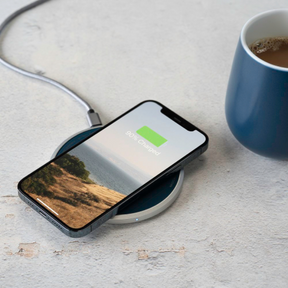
x=257 y=94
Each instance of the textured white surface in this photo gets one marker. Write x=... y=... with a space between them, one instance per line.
x=229 y=226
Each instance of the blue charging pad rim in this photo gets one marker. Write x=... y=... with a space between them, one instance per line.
x=166 y=190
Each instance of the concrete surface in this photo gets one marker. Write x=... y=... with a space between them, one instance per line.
x=229 y=226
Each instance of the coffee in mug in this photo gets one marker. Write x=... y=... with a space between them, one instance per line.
x=257 y=93
x=273 y=50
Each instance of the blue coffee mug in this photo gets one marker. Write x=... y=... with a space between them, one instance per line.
x=257 y=94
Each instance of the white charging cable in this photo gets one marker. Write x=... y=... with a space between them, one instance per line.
x=92 y=117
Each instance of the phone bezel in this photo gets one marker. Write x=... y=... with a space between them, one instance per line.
x=109 y=212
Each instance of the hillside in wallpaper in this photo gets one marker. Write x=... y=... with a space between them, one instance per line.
x=64 y=185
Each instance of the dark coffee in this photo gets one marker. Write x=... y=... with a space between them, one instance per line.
x=273 y=50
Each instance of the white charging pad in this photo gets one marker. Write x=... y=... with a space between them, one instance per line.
x=158 y=197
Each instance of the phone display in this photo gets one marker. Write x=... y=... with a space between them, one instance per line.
x=97 y=175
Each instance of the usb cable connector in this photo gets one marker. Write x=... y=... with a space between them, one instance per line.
x=93 y=118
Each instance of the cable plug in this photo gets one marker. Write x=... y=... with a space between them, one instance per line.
x=93 y=118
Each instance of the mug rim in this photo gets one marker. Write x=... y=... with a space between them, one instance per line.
x=245 y=46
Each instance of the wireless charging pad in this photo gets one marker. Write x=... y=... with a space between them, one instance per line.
x=155 y=199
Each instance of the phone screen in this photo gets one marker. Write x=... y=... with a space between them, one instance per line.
x=83 y=183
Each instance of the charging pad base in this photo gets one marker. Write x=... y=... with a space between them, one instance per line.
x=158 y=197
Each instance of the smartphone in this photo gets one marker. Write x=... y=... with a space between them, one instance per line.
x=85 y=186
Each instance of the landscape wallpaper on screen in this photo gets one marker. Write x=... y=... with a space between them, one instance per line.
x=65 y=187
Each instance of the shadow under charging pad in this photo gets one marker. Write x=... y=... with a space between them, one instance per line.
x=158 y=197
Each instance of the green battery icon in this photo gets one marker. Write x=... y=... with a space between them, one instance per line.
x=151 y=136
